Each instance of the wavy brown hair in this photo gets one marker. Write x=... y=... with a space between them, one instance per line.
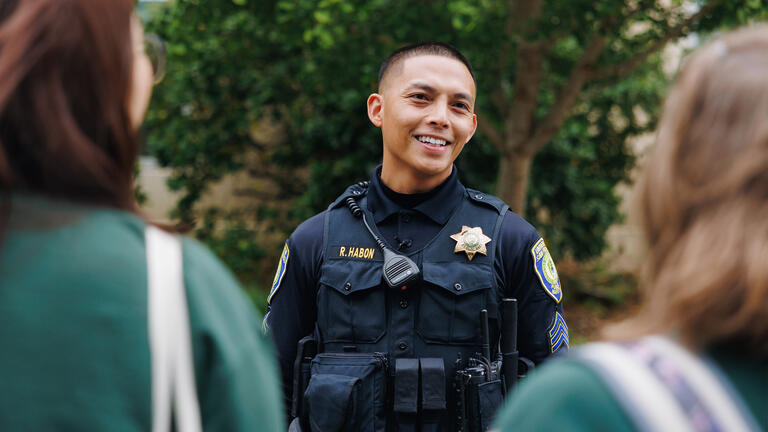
x=66 y=74
x=703 y=202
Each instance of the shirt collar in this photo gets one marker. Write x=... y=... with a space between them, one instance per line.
x=438 y=204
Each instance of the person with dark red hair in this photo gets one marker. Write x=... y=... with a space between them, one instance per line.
x=108 y=323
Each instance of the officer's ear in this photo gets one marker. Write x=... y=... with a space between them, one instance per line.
x=374 y=108
x=474 y=127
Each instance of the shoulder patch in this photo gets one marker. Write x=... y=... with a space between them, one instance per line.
x=558 y=334
x=279 y=273
x=545 y=269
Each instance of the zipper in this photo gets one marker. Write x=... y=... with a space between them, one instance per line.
x=380 y=358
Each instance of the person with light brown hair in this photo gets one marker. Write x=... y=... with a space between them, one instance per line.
x=98 y=330
x=695 y=357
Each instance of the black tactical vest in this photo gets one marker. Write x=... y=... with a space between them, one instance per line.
x=436 y=317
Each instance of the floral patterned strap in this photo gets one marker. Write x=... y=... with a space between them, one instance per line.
x=662 y=386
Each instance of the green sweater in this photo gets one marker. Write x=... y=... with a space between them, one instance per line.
x=73 y=327
x=565 y=395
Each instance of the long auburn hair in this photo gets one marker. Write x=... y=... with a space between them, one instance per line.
x=703 y=202
x=66 y=76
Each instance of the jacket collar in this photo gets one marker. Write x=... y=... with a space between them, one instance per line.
x=437 y=204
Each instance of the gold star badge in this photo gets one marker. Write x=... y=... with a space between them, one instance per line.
x=471 y=241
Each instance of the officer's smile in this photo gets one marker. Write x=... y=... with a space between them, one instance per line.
x=432 y=141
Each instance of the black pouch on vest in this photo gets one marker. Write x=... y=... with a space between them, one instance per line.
x=489 y=399
x=433 y=395
x=305 y=352
x=331 y=402
x=347 y=392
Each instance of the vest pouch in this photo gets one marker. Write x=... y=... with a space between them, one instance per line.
x=347 y=392
x=351 y=303
x=489 y=399
x=451 y=299
x=331 y=402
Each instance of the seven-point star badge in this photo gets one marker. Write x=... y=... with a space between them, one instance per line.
x=471 y=241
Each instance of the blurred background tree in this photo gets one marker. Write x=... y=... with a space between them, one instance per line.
x=277 y=89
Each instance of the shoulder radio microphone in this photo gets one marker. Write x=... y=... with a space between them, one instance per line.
x=398 y=270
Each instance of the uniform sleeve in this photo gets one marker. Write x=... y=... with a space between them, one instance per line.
x=235 y=370
x=526 y=271
x=562 y=395
x=291 y=308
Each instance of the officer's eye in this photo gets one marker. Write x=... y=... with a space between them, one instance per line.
x=461 y=105
x=419 y=96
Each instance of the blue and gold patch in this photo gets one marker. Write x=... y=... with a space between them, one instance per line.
x=545 y=269
x=279 y=273
x=558 y=334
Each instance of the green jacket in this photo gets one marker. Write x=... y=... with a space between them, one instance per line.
x=565 y=395
x=74 y=337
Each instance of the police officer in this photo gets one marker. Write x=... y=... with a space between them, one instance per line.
x=470 y=249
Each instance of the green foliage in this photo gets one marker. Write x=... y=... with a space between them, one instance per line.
x=232 y=240
x=138 y=193
x=590 y=156
x=309 y=65
x=595 y=298
x=597 y=287
x=258 y=297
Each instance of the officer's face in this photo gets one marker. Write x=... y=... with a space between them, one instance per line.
x=426 y=114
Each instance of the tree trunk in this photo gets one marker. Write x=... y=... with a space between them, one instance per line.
x=512 y=183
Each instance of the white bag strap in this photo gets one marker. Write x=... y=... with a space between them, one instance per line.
x=173 y=373
x=709 y=383
x=664 y=387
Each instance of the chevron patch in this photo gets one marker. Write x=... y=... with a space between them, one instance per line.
x=558 y=333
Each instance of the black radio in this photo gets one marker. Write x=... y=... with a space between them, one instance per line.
x=480 y=384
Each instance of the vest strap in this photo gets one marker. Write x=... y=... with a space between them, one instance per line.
x=496 y=232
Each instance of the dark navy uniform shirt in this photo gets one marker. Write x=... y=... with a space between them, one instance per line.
x=407 y=223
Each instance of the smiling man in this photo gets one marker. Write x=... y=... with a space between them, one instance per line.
x=385 y=355
x=425 y=110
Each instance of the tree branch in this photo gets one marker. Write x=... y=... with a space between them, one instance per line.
x=519 y=12
x=682 y=29
x=528 y=74
x=581 y=73
x=557 y=37
x=566 y=97
x=491 y=132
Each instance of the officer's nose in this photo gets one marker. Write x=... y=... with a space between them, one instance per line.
x=438 y=116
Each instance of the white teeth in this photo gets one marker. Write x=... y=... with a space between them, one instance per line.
x=430 y=140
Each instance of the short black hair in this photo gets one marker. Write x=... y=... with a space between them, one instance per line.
x=424 y=48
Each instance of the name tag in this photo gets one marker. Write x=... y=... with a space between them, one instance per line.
x=355 y=253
